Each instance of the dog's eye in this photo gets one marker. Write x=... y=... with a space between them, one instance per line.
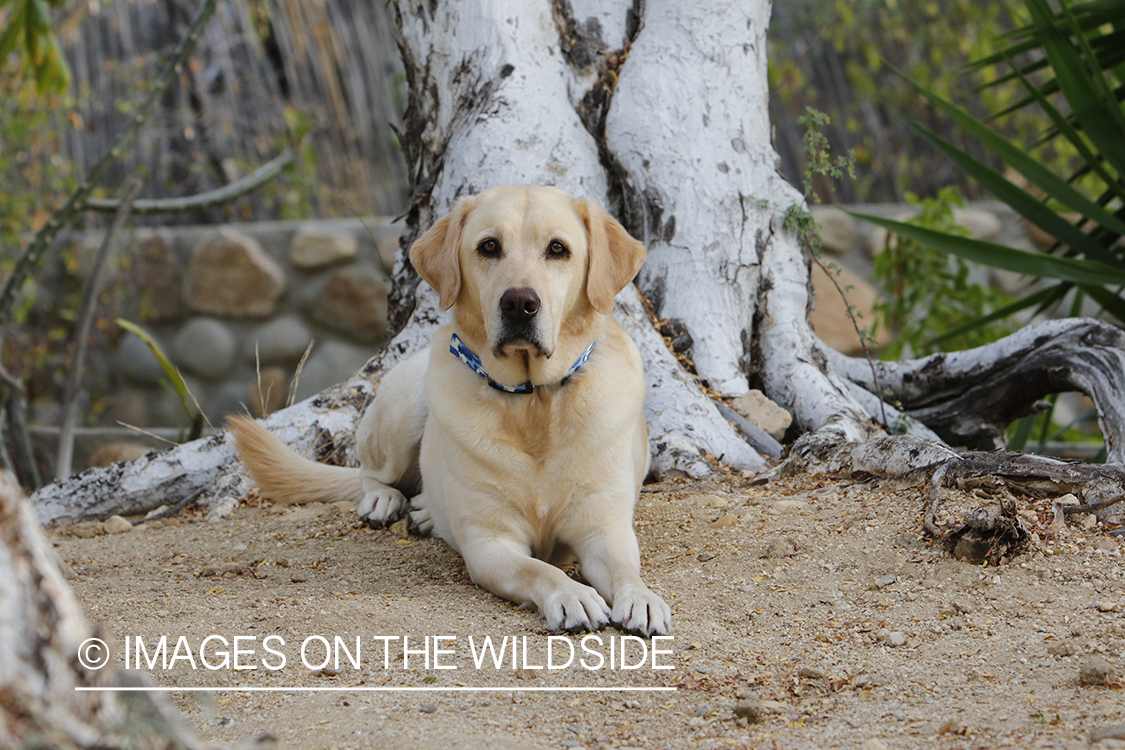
x=557 y=250
x=489 y=248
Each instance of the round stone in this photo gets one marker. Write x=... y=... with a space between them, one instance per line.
x=154 y=275
x=230 y=275
x=136 y=362
x=117 y=525
x=281 y=341
x=837 y=229
x=205 y=348
x=764 y=413
x=1096 y=671
x=895 y=639
x=353 y=303
x=316 y=248
x=982 y=225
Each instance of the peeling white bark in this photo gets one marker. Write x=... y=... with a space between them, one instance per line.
x=205 y=468
x=496 y=97
x=683 y=423
x=823 y=452
x=792 y=368
x=689 y=123
x=493 y=109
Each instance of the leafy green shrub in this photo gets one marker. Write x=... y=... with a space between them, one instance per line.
x=32 y=176
x=1071 y=64
x=28 y=28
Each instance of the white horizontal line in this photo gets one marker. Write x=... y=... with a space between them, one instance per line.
x=371 y=689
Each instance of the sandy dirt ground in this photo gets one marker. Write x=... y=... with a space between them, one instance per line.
x=808 y=613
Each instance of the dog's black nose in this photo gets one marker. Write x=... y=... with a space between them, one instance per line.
x=519 y=305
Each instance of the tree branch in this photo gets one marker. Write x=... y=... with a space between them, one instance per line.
x=82 y=332
x=1098 y=486
x=16 y=406
x=239 y=187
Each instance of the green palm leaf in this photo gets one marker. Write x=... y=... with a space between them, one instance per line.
x=1084 y=87
x=1073 y=53
x=1040 y=265
x=1029 y=207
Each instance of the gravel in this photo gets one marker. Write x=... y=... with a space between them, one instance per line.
x=990 y=654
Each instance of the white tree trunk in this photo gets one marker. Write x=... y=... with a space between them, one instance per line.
x=657 y=110
x=690 y=126
x=483 y=65
x=43 y=638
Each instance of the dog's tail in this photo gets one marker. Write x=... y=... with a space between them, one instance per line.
x=285 y=476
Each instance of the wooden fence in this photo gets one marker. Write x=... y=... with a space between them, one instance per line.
x=260 y=63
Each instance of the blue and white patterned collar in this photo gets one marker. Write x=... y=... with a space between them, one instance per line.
x=458 y=349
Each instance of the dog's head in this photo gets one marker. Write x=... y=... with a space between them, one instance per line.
x=526 y=266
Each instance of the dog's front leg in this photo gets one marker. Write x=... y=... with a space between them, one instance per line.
x=506 y=568
x=611 y=562
x=388 y=440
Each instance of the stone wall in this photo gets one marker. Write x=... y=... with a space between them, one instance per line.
x=238 y=305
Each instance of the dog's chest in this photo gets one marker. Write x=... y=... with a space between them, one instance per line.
x=544 y=428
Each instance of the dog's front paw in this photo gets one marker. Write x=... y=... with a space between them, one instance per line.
x=640 y=610
x=382 y=504
x=421 y=521
x=580 y=608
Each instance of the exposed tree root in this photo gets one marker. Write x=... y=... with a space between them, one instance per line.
x=1100 y=487
x=968 y=398
x=991 y=531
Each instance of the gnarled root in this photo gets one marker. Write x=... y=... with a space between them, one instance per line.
x=968 y=398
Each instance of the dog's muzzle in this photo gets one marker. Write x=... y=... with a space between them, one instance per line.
x=518 y=309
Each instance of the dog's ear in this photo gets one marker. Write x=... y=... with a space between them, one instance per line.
x=435 y=253
x=615 y=257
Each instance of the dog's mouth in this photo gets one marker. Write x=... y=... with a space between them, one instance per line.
x=520 y=339
x=510 y=347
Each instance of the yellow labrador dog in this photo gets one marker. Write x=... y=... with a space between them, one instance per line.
x=520 y=427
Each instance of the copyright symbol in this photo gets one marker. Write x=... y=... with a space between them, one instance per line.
x=93 y=653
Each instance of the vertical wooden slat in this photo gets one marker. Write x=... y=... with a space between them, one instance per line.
x=339 y=62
